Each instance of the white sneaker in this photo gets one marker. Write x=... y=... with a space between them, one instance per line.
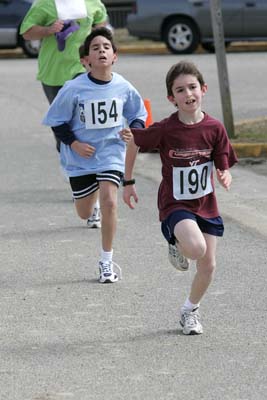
x=190 y=322
x=94 y=221
x=107 y=275
x=176 y=259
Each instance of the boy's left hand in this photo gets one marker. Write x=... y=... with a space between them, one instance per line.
x=224 y=177
x=126 y=134
x=129 y=194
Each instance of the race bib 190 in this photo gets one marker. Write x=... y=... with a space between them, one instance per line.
x=100 y=114
x=192 y=182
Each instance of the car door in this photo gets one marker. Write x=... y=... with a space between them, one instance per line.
x=231 y=13
x=255 y=19
x=11 y=14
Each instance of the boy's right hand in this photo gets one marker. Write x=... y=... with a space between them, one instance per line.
x=83 y=149
x=128 y=193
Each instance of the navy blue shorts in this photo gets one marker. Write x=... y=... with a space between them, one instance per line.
x=212 y=226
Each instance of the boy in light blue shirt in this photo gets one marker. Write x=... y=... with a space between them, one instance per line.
x=87 y=116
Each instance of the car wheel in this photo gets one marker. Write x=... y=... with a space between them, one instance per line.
x=181 y=36
x=30 y=47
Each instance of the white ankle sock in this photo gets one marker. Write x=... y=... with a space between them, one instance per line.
x=97 y=205
x=188 y=306
x=106 y=256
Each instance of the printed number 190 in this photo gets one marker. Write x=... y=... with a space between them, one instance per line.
x=194 y=180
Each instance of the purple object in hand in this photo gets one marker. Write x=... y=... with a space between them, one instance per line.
x=69 y=27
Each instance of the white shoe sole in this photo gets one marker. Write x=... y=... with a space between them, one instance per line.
x=197 y=331
x=108 y=280
x=94 y=224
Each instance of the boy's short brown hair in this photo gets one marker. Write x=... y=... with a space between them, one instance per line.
x=182 y=68
x=102 y=31
x=81 y=51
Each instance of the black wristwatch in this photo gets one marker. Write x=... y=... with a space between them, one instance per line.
x=129 y=182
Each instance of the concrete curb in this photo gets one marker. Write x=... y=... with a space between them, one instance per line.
x=160 y=48
x=247 y=150
x=143 y=47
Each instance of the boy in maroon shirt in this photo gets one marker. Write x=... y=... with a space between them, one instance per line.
x=190 y=143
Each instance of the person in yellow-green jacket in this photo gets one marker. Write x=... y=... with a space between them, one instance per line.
x=59 y=59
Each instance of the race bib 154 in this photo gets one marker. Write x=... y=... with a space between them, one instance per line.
x=100 y=114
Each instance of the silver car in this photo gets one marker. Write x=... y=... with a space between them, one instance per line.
x=12 y=13
x=184 y=24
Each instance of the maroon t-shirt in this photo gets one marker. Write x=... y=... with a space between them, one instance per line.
x=188 y=154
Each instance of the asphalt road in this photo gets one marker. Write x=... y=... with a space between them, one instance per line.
x=63 y=335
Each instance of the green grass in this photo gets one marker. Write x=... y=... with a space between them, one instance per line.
x=251 y=131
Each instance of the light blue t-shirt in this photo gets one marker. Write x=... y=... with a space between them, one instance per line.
x=95 y=114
